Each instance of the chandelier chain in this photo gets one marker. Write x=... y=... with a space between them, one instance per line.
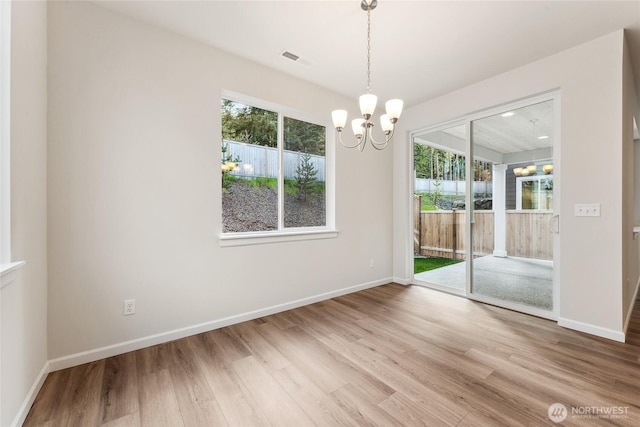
x=363 y=127
x=369 y=50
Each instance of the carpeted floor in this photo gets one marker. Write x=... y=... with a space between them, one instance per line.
x=519 y=280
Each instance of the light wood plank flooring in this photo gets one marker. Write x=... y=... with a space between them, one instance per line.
x=388 y=356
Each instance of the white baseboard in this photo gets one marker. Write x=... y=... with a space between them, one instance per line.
x=31 y=396
x=592 y=329
x=139 y=343
x=631 y=306
x=400 y=281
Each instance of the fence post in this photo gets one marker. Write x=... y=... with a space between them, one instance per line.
x=417 y=223
x=455 y=233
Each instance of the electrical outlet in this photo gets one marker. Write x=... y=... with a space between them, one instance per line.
x=371 y=263
x=129 y=307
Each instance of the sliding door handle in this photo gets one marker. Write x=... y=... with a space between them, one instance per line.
x=554 y=224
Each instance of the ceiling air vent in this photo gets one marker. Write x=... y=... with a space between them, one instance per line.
x=290 y=55
x=295 y=58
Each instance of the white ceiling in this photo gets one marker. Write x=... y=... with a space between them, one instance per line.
x=420 y=49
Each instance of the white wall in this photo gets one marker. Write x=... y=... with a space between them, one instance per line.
x=630 y=267
x=134 y=189
x=589 y=77
x=24 y=301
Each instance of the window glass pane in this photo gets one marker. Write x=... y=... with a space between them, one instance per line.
x=513 y=250
x=482 y=185
x=439 y=209
x=546 y=194
x=249 y=168
x=304 y=173
x=536 y=192
x=529 y=195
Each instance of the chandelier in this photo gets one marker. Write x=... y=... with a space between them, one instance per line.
x=363 y=127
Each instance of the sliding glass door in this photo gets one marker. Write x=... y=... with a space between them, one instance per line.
x=512 y=241
x=484 y=198
x=439 y=208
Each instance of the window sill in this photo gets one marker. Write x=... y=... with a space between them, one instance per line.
x=8 y=272
x=247 y=239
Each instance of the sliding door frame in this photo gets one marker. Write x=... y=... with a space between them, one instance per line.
x=435 y=128
x=467 y=120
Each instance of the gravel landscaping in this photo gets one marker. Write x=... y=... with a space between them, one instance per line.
x=249 y=208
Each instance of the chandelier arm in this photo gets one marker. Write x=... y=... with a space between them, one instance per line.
x=365 y=137
x=380 y=145
x=368 y=136
x=349 y=146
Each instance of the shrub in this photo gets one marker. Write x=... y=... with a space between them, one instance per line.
x=229 y=163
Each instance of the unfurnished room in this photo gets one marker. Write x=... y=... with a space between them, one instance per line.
x=319 y=213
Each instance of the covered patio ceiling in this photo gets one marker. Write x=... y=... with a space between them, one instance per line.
x=517 y=135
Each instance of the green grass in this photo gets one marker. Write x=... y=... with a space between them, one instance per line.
x=426 y=264
x=263 y=182
x=428 y=202
x=290 y=186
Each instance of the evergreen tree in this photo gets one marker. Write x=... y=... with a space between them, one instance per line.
x=304 y=137
x=248 y=124
x=305 y=176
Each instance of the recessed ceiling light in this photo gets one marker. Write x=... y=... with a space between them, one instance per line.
x=543 y=137
x=508 y=114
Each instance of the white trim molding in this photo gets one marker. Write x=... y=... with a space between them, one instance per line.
x=399 y=281
x=244 y=239
x=8 y=272
x=5 y=131
x=139 y=343
x=592 y=329
x=631 y=307
x=31 y=397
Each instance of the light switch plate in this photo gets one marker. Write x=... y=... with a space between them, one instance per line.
x=587 y=209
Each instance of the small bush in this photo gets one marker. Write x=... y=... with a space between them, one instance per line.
x=229 y=164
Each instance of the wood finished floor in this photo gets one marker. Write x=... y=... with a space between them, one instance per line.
x=388 y=356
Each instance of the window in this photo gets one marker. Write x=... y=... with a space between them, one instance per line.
x=304 y=173
x=274 y=171
x=534 y=192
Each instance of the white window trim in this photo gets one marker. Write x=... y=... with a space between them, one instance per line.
x=5 y=133
x=8 y=268
x=327 y=231
x=519 y=182
x=8 y=273
x=259 y=238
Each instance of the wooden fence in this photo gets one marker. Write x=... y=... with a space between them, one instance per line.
x=443 y=233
